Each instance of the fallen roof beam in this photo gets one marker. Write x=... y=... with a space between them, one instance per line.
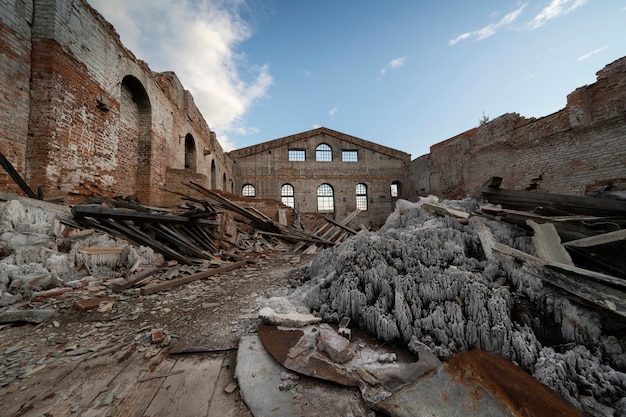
x=151 y=289
x=597 y=240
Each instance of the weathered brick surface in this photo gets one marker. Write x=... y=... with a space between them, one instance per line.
x=578 y=149
x=93 y=119
x=267 y=168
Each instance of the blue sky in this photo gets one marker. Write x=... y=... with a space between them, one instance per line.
x=402 y=73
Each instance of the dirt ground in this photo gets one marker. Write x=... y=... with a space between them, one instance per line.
x=207 y=316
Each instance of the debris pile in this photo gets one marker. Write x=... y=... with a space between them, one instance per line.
x=427 y=279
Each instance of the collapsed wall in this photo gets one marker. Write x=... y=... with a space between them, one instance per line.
x=426 y=280
x=576 y=150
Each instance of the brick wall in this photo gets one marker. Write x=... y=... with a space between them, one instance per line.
x=15 y=48
x=267 y=168
x=93 y=119
x=578 y=149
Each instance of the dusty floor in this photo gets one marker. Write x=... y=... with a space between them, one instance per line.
x=112 y=361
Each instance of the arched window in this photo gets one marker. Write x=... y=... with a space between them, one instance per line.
x=325 y=203
x=361 y=196
x=323 y=153
x=248 y=190
x=190 y=153
x=286 y=195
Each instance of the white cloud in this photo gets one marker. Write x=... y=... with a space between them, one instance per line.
x=332 y=112
x=596 y=51
x=393 y=64
x=555 y=9
x=306 y=73
x=490 y=29
x=197 y=40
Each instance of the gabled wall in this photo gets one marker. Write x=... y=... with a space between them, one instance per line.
x=267 y=167
x=578 y=149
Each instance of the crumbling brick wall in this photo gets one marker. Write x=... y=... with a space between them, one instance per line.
x=84 y=116
x=15 y=50
x=578 y=149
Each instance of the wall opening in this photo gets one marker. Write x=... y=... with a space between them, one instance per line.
x=190 y=153
x=325 y=199
x=135 y=144
x=213 y=176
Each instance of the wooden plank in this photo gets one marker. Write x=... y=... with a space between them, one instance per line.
x=134 y=280
x=77 y=389
x=531 y=200
x=84 y=210
x=597 y=240
x=188 y=393
x=63 y=212
x=282 y=217
x=547 y=243
x=225 y=404
x=30 y=316
x=102 y=250
x=8 y=167
x=151 y=289
x=446 y=211
x=589 y=290
x=130 y=397
x=484 y=235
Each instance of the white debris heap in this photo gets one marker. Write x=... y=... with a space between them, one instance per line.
x=425 y=279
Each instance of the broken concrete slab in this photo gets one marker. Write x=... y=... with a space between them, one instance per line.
x=270 y=390
x=279 y=310
x=477 y=383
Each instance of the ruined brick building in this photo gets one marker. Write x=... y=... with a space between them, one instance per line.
x=80 y=115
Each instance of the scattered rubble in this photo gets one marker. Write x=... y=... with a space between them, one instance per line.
x=447 y=281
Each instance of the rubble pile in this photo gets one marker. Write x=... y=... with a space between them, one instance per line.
x=427 y=279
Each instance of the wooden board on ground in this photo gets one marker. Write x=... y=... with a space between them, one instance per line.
x=188 y=393
x=224 y=404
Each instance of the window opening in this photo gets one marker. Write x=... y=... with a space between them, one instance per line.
x=349 y=156
x=296 y=155
x=248 y=190
x=286 y=195
x=395 y=189
x=323 y=153
x=361 y=196
x=325 y=203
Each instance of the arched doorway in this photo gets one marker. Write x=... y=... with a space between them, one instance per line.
x=135 y=144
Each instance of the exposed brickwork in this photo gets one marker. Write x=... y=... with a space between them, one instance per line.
x=267 y=168
x=578 y=149
x=15 y=47
x=93 y=119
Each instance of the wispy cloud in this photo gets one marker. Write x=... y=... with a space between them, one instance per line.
x=198 y=41
x=306 y=73
x=490 y=29
x=555 y=9
x=590 y=54
x=393 y=64
x=332 y=112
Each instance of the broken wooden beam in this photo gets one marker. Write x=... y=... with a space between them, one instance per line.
x=8 y=167
x=134 y=280
x=547 y=243
x=596 y=240
x=151 y=289
x=30 y=316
